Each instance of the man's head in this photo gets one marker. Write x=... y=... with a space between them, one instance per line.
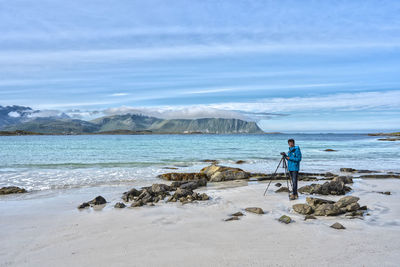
x=291 y=142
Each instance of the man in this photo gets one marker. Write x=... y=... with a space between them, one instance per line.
x=294 y=158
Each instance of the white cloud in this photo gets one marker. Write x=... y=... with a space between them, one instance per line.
x=14 y=114
x=340 y=102
x=119 y=94
x=181 y=112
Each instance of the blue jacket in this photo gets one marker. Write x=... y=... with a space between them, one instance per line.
x=294 y=155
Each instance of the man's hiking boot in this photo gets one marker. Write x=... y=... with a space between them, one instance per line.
x=292 y=197
x=296 y=196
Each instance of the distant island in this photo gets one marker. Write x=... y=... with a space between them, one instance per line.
x=25 y=124
x=389 y=136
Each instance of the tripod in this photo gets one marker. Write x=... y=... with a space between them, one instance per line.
x=287 y=175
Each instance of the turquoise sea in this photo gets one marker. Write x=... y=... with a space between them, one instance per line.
x=62 y=162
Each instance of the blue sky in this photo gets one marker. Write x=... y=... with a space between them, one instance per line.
x=290 y=65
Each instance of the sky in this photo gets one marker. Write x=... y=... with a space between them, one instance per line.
x=292 y=66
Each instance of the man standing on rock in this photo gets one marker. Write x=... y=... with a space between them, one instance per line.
x=294 y=158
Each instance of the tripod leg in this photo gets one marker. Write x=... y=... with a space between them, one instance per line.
x=288 y=178
x=265 y=192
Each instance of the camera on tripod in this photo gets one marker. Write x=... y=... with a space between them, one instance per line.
x=283 y=154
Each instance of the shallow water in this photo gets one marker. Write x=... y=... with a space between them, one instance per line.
x=59 y=162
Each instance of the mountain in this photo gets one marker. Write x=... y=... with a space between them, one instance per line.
x=55 y=126
x=134 y=122
x=13 y=114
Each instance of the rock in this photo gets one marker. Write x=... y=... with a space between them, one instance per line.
x=83 y=205
x=345 y=201
x=182 y=193
x=347 y=170
x=217 y=173
x=327 y=210
x=353 y=207
x=237 y=214
x=354 y=214
x=303 y=209
x=366 y=171
x=363 y=208
x=119 y=205
x=285 y=219
x=127 y=196
x=328 y=188
x=343 y=179
x=177 y=176
x=240 y=162
x=255 y=210
x=330 y=150
x=282 y=189
x=193 y=184
x=138 y=203
x=310 y=217
x=329 y=174
x=213 y=161
x=99 y=200
x=233 y=218
x=204 y=196
x=385 y=193
x=380 y=176
x=315 y=202
x=278 y=184
x=337 y=225
x=170 y=168
x=160 y=188
x=11 y=190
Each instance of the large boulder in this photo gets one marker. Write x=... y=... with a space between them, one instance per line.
x=303 y=209
x=315 y=202
x=217 y=173
x=11 y=190
x=178 y=176
x=343 y=179
x=328 y=188
x=345 y=201
x=127 y=196
x=327 y=210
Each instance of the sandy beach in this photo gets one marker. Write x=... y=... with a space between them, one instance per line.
x=46 y=229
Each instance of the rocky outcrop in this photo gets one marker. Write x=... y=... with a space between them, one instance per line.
x=217 y=173
x=11 y=190
x=192 y=184
x=328 y=188
x=321 y=207
x=303 y=209
x=187 y=196
x=178 y=176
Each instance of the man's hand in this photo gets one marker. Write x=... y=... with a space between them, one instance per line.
x=287 y=158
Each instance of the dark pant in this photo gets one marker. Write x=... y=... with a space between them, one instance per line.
x=294 y=175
